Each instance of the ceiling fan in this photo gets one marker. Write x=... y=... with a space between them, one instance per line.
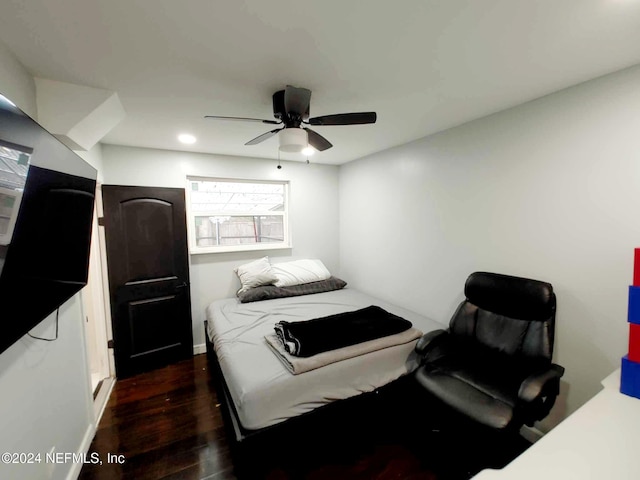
x=291 y=110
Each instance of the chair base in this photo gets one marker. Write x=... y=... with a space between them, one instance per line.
x=464 y=446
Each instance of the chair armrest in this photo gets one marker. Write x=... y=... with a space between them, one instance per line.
x=545 y=383
x=428 y=340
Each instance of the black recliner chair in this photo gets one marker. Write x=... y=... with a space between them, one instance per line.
x=493 y=364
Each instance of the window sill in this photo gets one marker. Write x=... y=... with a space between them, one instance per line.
x=241 y=248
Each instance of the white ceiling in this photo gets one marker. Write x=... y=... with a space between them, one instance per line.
x=422 y=65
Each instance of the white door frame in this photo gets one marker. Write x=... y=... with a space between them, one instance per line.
x=95 y=298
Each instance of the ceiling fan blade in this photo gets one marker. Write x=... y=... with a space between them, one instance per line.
x=263 y=137
x=297 y=100
x=317 y=141
x=243 y=119
x=345 y=119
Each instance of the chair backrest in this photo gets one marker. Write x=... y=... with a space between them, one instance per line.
x=513 y=315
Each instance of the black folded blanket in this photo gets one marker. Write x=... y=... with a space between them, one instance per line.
x=309 y=337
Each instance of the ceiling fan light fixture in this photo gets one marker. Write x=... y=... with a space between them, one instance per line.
x=308 y=151
x=293 y=140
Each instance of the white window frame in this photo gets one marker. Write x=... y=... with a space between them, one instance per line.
x=191 y=217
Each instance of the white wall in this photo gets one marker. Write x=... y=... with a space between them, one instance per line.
x=313 y=210
x=16 y=83
x=46 y=394
x=546 y=190
x=46 y=397
x=94 y=158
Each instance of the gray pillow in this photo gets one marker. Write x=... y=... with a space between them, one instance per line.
x=268 y=292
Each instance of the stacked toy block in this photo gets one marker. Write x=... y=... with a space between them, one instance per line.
x=630 y=377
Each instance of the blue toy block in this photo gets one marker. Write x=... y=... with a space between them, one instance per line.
x=633 y=314
x=630 y=377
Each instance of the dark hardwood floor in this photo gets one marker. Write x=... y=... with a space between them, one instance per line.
x=167 y=424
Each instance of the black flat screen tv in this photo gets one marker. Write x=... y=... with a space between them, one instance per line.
x=46 y=212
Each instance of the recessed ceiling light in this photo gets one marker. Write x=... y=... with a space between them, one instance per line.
x=308 y=151
x=186 y=138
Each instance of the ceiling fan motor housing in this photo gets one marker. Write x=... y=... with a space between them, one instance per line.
x=280 y=113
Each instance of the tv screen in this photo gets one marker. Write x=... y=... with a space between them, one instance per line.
x=46 y=210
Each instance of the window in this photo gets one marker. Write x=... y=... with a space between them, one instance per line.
x=235 y=215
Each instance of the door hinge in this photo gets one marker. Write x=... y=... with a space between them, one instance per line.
x=101 y=221
x=109 y=343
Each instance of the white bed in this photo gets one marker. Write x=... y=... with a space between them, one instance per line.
x=263 y=391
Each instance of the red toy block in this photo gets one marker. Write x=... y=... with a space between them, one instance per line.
x=636 y=267
x=634 y=342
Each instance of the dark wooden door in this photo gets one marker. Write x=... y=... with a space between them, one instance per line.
x=147 y=259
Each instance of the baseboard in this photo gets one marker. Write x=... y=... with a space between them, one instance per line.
x=531 y=434
x=76 y=467
x=198 y=349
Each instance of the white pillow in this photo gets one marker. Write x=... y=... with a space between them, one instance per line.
x=299 y=272
x=255 y=274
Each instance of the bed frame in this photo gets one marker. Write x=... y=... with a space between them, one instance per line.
x=349 y=406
